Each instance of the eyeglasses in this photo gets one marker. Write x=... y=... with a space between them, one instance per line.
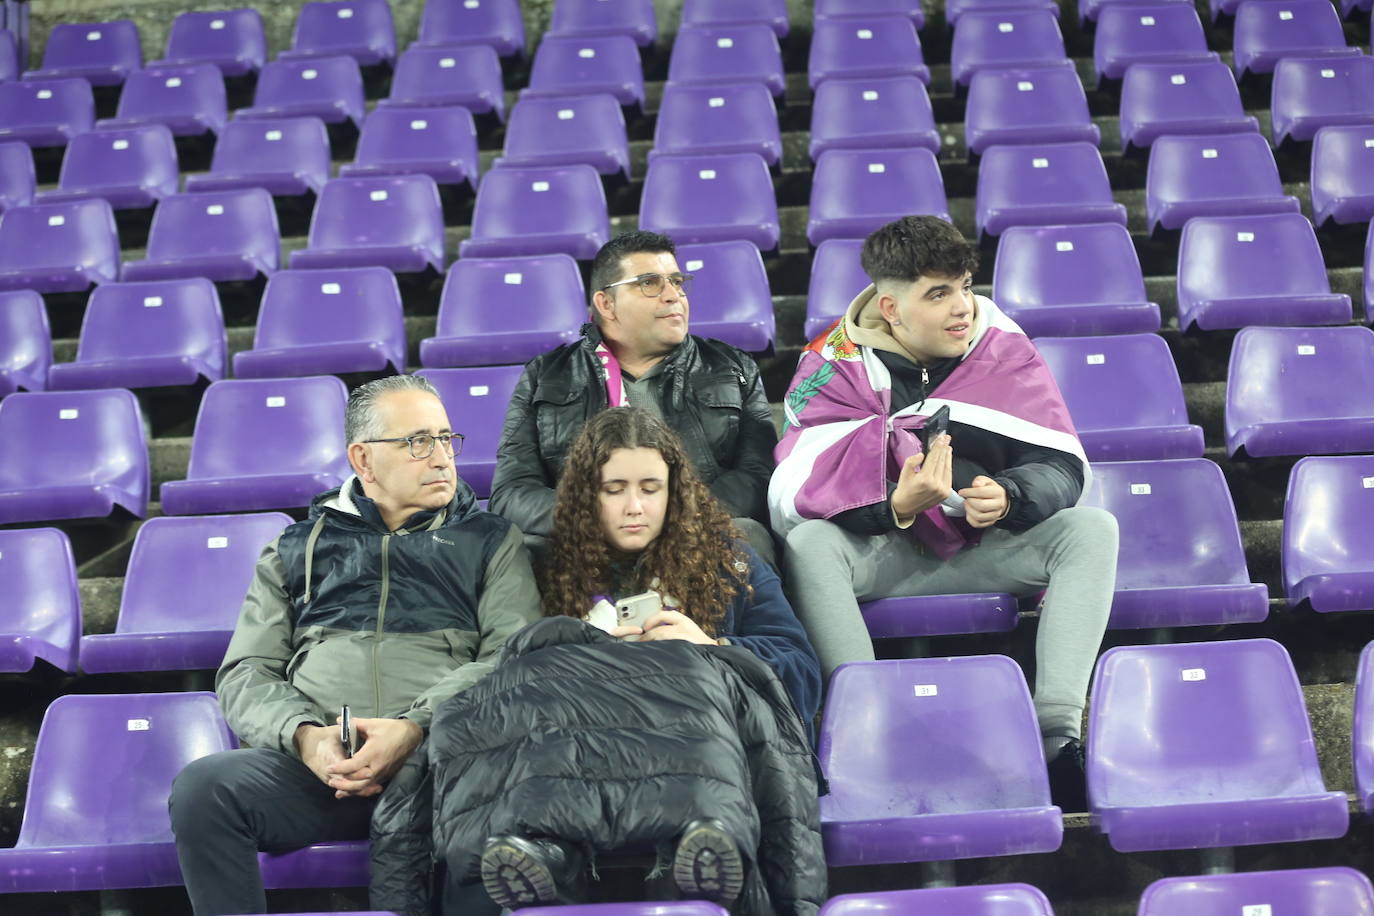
x=652 y=285
x=422 y=446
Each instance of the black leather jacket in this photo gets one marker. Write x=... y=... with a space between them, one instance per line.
x=711 y=396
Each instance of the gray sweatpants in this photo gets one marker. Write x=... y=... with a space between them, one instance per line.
x=1072 y=554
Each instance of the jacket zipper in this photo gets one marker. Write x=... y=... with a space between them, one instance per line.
x=381 y=619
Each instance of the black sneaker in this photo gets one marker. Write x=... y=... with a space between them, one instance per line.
x=518 y=872
x=708 y=864
x=1068 y=780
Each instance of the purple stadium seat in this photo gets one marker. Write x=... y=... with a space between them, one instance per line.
x=497 y=23
x=298 y=446
x=1151 y=33
x=17 y=181
x=732 y=118
x=1089 y=10
x=1327 y=556
x=873 y=112
x=1369 y=273
x=1124 y=395
x=981 y=900
x=146 y=335
x=188 y=99
x=954 y=9
x=506 y=310
x=588 y=65
x=1180 y=98
x=1299 y=890
x=869 y=46
x=1267 y=31
x=854 y=191
x=45 y=112
x=9 y=56
x=131 y=167
x=1350 y=9
x=286 y=156
x=232 y=40
x=939 y=615
x=1032 y=105
x=979 y=790
x=94 y=457
x=568 y=130
x=1300 y=391
x=1043 y=184
x=103 y=53
x=438 y=142
x=393 y=221
x=40 y=615
x=1254 y=270
x=25 y=342
x=159 y=631
x=330 y=88
x=635 y=18
x=647 y=908
x=1205 y=744
x=772 y=13
x=1311 y=93
x=538 y=211
x=1363 y=731
x=362 y=29
x=848 y=9
x=468 y=75
x=711 y=199
x=223 y=235
x=327 y=322
x=1212 y=175
x=475 y=399
x=727 y=54
x=60 y=247
x=1005 y=38
x=1181 y=561
x=1343 y=174
x=730 y=298
x=836 y=278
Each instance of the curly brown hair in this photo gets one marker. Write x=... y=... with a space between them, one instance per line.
x=696 y=558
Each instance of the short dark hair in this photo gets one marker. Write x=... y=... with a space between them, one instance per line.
x=917 y=246
x=606 y=265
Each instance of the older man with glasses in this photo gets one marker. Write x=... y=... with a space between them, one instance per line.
x=637 y=352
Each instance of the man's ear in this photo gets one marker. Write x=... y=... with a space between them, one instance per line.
x=603 y=305
x=887 y=307
x=361 y=461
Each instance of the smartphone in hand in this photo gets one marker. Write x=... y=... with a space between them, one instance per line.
x=636 y=610
x=936 y=426
x=348 y=732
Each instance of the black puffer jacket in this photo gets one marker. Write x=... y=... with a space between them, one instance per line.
x=608 y=745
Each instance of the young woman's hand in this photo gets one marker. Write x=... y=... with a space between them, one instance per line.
x=674 y=625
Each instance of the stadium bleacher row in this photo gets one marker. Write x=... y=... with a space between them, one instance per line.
x=1173 y=199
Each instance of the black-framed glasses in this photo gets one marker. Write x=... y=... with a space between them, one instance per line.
x=422 y=446
x=652 y=285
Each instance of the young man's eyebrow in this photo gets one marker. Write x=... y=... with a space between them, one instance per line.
x=942 y=288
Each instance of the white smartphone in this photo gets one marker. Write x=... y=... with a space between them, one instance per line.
x=635 y=610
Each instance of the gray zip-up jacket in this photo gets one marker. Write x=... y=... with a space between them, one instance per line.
x=343 y=611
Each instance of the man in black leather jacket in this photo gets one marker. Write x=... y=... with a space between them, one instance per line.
x=637 y=352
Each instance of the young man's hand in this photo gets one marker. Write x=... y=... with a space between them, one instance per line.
x=386 y=745
x=925 y=481
x=319 y=748
x=985 y=503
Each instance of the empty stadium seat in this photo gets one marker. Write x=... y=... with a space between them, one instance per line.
x=855 y=191
x=1362 y=730
x=362 y=29
x=297 y=450
x=506 y=310
x=102 y=53
x=648 y=908
x=980 y=900
x=1266 y=32
x=978 y=787
x=40 y=614
x=772 y=13
x=711 y=198
x=588 y=65
x=954 y=9
x=568 y=130
x=131 y=167
x=1369 y=273
x=157 y=629
x=45 y=112
x=1147 y=33
x=475 y=399
x=329 y=88
x=1343 y=174
x=867 y=46
x=1005 y=38
x=71 y=454
x=1252 y=270
x=223 y=235
x=939 y=615
x=326 y=322
x=287 y=157
x=1204 y=744
x=539 y=211
x=467 y=75
x=25 y=342
x=1180 y=98
x=9 y=56
x=1180 y=562
x=232 y=40
x=17 y=182
x=497 y=23
x=872 y=112
x=188 y=99
x=849 y=9
x=635 y=18
x=1067 y=281
x=836 y=278
x=727 y=54
x=59 y=247
x=1327 y=560
x=1033 y=105
x=730 y=299
x=728 y=118
x=438 y=142
x=1310 y=93
x=1089 y=10
x=1043 y=184
x=393 y=221
x=1124 y=395
x=1212 y=175
x=1305 y=890
x=144 y=335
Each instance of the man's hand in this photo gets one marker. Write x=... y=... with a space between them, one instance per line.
x=319 y=748
x=386 y=745
x=925 y=481
x=985 y=502
x=673 y=625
